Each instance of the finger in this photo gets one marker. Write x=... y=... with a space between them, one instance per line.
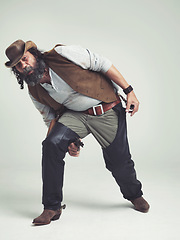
x=128 y=107
x=73 y=150
x=72 y=146
x=74 y=154
x=136 y=106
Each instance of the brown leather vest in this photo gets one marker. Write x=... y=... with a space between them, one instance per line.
x=86 y=82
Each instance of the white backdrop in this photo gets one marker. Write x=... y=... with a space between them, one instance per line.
x=141 y=38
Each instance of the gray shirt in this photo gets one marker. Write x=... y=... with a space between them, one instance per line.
x=60 y=91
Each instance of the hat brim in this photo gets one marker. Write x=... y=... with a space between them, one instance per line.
x=28 y=45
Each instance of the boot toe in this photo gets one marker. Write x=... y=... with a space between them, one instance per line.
x=140 y=204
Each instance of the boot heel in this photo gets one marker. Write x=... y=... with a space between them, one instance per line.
x=56 y=217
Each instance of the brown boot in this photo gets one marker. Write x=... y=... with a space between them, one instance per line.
x=140 y=204
x=48 y=215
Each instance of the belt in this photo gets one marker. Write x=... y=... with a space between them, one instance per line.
x=101 y=108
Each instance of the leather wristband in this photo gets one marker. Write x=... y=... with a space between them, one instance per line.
x=128 y=89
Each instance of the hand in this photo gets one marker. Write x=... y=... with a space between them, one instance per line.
x=132 y=100
x=73 y=150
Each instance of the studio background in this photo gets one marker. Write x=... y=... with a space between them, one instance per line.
x=141 y=38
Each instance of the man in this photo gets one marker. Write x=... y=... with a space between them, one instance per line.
x=75 y=90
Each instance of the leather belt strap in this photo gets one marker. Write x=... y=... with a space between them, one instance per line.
x=101 y=108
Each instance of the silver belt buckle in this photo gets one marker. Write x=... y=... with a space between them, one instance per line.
x=94 y=109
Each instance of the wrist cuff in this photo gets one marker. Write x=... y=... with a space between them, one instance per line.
x=128 y=89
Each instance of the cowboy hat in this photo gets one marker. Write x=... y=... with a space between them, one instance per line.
x=16 y=51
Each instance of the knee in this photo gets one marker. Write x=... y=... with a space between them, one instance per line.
x=56 y=142
x=59 y=137
x=49 y=142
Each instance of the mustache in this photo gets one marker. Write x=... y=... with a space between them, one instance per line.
x=27 y=70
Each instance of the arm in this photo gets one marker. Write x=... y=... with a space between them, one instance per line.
x=116 y=77
x=46 y=112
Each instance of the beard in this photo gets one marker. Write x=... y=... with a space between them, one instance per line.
x=35 y=77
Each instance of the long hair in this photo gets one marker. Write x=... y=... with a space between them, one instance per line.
x=38 y=55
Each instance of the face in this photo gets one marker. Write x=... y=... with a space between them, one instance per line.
x=27 y=63
x=30 y=69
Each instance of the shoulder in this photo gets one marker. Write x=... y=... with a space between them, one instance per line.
x=69 y=49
